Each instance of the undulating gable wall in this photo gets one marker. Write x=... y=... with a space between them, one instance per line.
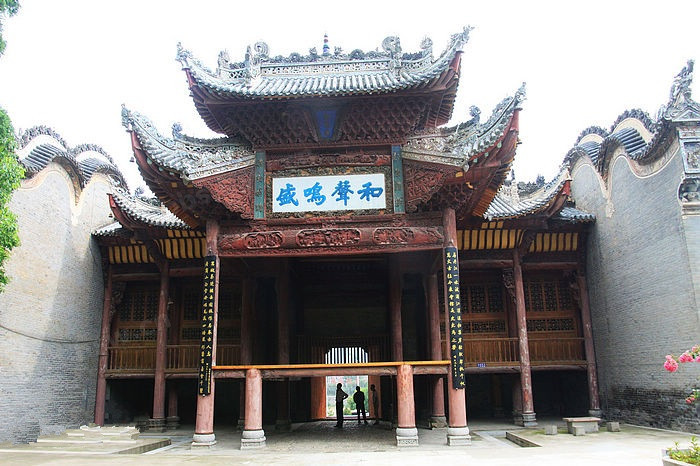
x=51 y=311
x=643 y=299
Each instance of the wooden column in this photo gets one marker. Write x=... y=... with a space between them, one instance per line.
x=173 y=420
x=247 y=304
x=253 y=434
x=157 y=422
x=406 y=432
x=101 y=391
x=283 y=421
x=437 y=417
x=594 y=401
x=457 y=430
x=204 y=422
x=395 y=308
x=528 y=411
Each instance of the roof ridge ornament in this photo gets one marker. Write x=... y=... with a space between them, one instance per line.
x=460 y=39
x=680 y=95
x=254 y=56
x=392 y=45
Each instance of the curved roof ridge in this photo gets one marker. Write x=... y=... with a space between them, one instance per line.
x=39 y=156
x=146 y=212
x=259 y=76
x=503 y=208
x=679 y=108
x=460 y=144
x=28 y=135
x=591 y=130
x=190 y=158
x=637 y=114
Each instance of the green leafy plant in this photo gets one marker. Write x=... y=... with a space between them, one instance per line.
x=689 y=455
x=11 y=172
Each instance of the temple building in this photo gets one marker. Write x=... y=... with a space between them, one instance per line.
x=339 y=227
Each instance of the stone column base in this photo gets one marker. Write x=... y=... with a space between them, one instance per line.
x=203 y=440
x=595 y=413
x=458 y=436
x=406 y=437
x=529 y=420
x=172 y=422
x=156 y=425
x=524 y=419
x=252 y=439
x=438 y=422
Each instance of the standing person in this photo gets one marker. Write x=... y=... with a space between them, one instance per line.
x=374 y=397
x=359 y=399
x=340 y=396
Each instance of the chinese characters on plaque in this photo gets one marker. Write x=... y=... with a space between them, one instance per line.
x=326 y=193
x=207 y=343
x=454 y=311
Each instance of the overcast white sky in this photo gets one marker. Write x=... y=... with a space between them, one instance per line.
x=70 y=64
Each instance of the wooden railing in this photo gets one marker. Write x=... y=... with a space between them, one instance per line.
x=556 y=350
x=504 y=351
x=369 y=348
x=179 y=358
x=316 y=350
x=494 y=351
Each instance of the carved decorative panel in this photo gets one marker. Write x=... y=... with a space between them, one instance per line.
x=328 y=237
x=233 y=190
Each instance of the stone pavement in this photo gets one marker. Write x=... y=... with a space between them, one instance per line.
x=320 y=443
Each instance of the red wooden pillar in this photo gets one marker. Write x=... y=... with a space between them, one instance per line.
x=101 y=391
x=437 y=418
x=594 y=401
x=253 y=434
x=395 y=308
x=406 y=432
x=173 y=420
x=283 y=420
x=457 y=430
x=528 y=412
x=157 y=421
x=247 y=303
x=204 y=422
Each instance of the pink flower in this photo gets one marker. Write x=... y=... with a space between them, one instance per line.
x=670 y=365
x=697 y=359
x=685 y=357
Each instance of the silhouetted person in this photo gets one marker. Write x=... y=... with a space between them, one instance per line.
x=374 y=398
x=359 y=399
x=340 y=395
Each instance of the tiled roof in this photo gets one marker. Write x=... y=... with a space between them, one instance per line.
x=678 y=110
x=189 y=157
x=261 y=76
x=113 y=229
x=573 y=215
x=147 y=213
x=458 y=145
x=41 y=145
x=504 y=206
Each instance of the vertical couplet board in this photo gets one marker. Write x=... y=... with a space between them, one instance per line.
x=207 y=341
x=454 y=311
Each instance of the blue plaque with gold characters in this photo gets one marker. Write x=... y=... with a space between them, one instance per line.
x=454 y=312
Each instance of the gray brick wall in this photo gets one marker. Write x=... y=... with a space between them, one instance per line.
x=50 y=313
x=642 y=295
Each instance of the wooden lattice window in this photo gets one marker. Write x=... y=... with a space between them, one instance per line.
x=483 y=311
x=137 y=313
x=549 y=305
